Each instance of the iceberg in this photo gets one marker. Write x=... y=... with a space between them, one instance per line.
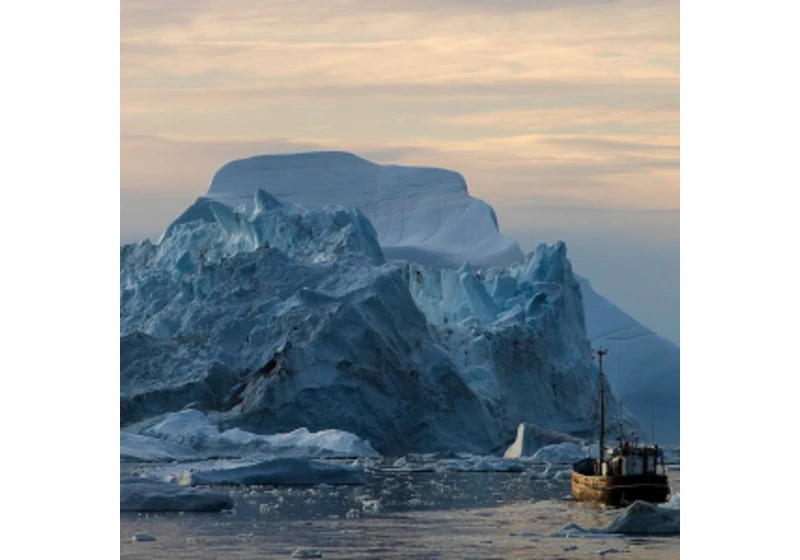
x=640 y=518
x=194 y=431
x=149 y=495
x=563 y=453
x=420 y=214
x=531 y=438
x=426 y=216
x=138 y=448
x=274 y=317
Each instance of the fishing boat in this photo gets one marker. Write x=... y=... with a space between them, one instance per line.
x=631 y=472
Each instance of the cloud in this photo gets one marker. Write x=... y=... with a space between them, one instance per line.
x=573 y=102
x=640 y=115
x=179 y=166
x=251 y=46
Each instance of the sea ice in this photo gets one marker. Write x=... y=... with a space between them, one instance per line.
x=149 y=495
x=276 y=472
x=138 y=448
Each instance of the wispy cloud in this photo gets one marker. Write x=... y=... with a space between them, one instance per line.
x=570 y=102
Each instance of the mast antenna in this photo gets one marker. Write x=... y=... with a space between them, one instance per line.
x=619 y=392
x=652 y=422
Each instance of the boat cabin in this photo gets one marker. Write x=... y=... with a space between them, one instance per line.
x=625 y=460
x=630 y=460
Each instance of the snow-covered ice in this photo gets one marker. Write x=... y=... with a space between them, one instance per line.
x=194 y=430
x=139 y=448
x=640 y=518
x=150 y=495
x=459 y=462
x=419 y=214
x=551 y=472
x=276 y=472
x=643 y=518
x=565 y=453
x=306 y=553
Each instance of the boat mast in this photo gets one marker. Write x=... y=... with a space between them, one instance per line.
x=600 y=354
x=619 y=390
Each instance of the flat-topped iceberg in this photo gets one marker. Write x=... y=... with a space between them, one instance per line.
x=420 y=214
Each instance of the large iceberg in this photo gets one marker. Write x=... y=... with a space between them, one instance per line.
x=274 y=316
x=426 y=216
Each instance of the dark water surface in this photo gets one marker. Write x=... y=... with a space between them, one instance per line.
x=420 y=515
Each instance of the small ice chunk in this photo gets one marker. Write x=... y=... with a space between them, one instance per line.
x=372 y=506
x=306 y=553
x=142 y=537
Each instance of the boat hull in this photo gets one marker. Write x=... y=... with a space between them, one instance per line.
x=619 y=490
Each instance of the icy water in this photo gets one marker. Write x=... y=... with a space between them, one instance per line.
x=396 y=515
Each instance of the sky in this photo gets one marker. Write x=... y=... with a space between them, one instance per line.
x=563 y=115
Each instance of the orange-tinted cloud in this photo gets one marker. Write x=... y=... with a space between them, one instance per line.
x=573 y=102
